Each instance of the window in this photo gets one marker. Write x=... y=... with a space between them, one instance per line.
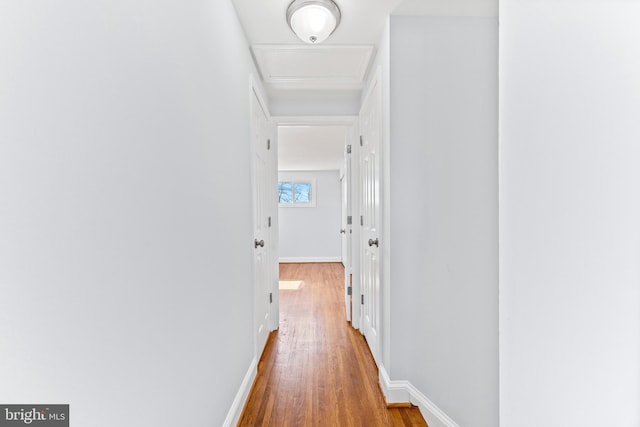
x=296 y=193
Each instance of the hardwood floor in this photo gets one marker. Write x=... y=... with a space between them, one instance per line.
x=317 y=370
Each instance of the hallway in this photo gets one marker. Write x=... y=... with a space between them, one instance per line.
x=316 y=370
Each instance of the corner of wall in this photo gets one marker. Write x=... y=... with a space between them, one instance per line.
x=401 y=391
x=393 y=391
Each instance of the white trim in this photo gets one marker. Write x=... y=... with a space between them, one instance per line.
x=256 y=87
x=351 y=78
x=354 y=137
x=310 y=259
x=433 y=415
x=394 y=391
x=233 y=416
x=404 y=391
x=315 y=120
x=309 y=170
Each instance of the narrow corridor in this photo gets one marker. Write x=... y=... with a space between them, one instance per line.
x=316 y=370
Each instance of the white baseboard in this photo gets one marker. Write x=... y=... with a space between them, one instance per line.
x=233 y=416
x=394 y=391
x=404 y=391
x=310 y=259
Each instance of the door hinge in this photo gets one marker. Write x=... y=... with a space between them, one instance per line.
x=349 y=220
x=268 y=144
x=349 y=290
x=361 y=140
x=361 y=220
x=269 y=221
x=270 y=297
x=362 y=299
x=349 y=149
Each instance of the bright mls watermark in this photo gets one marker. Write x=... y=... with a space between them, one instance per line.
x=34 y=415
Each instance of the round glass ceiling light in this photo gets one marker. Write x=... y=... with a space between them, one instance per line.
x=313 y=20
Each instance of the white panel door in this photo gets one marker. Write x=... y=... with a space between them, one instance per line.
x=370 y=117
x=262 y=271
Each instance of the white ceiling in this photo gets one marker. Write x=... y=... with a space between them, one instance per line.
x=362 y=20
x=296 y=67
x=447 y=8
x=295 y=73
x=311 y=147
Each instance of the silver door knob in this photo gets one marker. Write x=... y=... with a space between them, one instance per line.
x=342 y=231
x=257 y=243
x=373 y=242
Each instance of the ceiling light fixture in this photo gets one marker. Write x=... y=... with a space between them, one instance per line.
x=313 y=20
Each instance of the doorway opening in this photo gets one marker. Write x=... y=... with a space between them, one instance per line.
x=315 y=194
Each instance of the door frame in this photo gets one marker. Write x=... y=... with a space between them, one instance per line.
x=346 y=230
x=351 y=123
x=344 y=212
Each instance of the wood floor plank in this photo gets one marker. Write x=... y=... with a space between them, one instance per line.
x=316 y=369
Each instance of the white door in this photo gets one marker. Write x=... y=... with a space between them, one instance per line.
x=346 y=231
x=370 y=124
x=343 y=218
x=262 y=157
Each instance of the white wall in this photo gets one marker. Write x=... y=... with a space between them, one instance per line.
x=125 y=253
x=570 y=213
x=313 y=233
x=443 y=218
x=314 y=103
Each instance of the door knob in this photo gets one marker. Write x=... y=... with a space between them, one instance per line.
x=373 y=242
x=342 y=231
x=257 y=243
